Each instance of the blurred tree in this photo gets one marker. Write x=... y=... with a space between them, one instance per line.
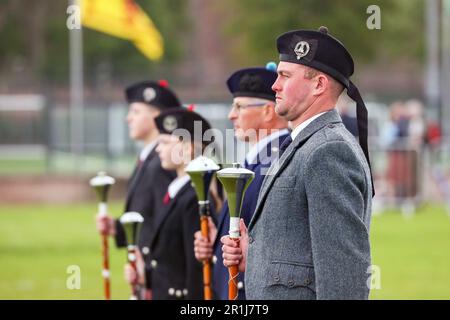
x=400 y=37
x=34 y=38
x=19 y=46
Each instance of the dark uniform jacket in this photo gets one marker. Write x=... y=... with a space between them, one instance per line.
x=146 y=189
x=174 y=273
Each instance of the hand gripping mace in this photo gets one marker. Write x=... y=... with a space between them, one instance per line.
x=235 y=181
x=101 y=184
x=202 y=170
x=131 y=222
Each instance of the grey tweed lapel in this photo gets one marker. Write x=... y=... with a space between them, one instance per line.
x=277 y=167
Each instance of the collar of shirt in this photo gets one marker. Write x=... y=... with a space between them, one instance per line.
x=177 y=184
x=261 y=144
x=146 y=151
x=295 y=132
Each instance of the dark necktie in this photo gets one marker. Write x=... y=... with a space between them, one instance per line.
x=286 y=142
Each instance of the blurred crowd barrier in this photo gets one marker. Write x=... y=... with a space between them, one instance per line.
x=406 y=176
x=410 y=158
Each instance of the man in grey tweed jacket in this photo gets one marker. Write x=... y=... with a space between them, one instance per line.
x=309 y=235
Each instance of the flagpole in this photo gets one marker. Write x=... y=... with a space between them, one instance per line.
x=76 y=92
x=445 y=67
x=432 y=72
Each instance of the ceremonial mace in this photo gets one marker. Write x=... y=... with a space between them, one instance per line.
x=235 y=181
x=202 y=170
x=131 y=222
x=101 y=184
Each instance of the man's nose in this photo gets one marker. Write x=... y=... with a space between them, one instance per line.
x=128 y=118
x=276 y=85
x=232 y=114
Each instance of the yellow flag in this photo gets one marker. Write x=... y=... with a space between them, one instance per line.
x=123 y=19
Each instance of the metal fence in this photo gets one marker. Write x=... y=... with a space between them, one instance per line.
x=36 y=135
x=35 y=139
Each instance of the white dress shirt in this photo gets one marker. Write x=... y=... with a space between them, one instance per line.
x=177 y=184
x=261 y=144
x=146 y=151
x=296 y=131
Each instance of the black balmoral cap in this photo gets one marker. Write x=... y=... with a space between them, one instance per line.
x=155 y=93
x=320 y=51
x=253 y=82
x=180 y=118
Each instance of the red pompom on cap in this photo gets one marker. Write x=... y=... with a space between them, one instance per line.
x=191 y=107
x=163 y=83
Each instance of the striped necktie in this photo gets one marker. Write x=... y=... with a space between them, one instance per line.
x=285 y=144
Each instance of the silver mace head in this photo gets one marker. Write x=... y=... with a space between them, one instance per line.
x=101 y=184
x=131 y=222
x=235 y=181
x=201 y=170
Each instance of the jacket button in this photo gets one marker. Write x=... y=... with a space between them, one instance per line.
x=154 y=264
x=276 y=278
x=291 y=283
x=331 y=126
x=240 y=285
x=178 y=293
x=250 y=240
x=307 y=282
x=185 y=292
x=145 y=250
x=214 y=259
x=171 y=291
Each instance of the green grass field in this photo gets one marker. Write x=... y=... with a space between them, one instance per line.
x=39 y=243
x=63 y=163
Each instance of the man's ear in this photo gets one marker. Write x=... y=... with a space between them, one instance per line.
x=269 y=112
x=155 y=111
x=322 y=84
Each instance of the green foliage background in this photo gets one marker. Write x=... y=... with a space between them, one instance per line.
x=249 y=29
x=401 y=35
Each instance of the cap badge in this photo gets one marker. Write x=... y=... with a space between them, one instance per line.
x=301 y=49
x=149 y=94
x=170 y=123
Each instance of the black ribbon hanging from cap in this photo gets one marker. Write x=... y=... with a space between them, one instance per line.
x=362 y=118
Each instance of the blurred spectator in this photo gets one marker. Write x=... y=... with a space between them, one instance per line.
x=401 y=173
x=433 y=135
x=416 y=126
x=433 y=141
x=396 y=128
x=348 y=117
x=416 y=135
